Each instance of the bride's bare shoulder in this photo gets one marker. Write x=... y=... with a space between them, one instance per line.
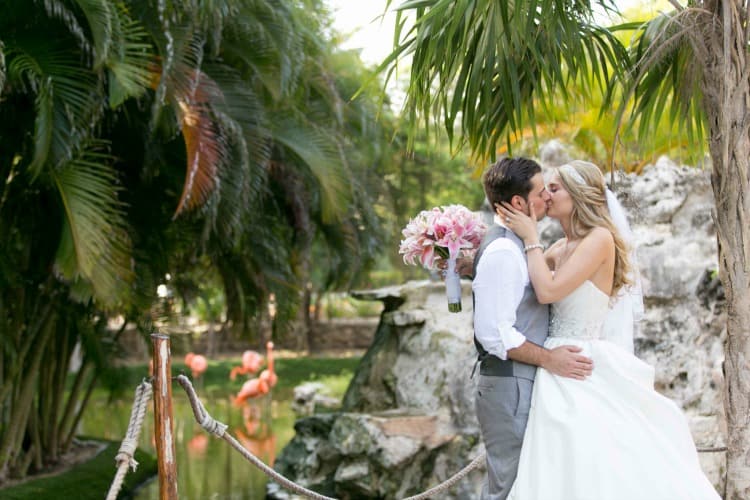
x=600 y=233
x=599 y=237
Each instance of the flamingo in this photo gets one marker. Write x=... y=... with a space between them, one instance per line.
x=269 y=375
x=251 y=389
x=251 y=362
x=198 y=365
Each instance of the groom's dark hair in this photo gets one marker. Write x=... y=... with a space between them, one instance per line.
x=509 y=177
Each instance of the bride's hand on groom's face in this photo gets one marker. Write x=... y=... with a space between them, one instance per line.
x=518 y=222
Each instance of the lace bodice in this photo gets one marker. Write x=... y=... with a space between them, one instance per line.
x=581 y=314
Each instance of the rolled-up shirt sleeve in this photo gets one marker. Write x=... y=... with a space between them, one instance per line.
x=498 y=287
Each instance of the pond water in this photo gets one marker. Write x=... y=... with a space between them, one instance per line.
x=207 y=467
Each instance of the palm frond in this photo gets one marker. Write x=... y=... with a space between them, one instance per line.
x=265 y=40
x=129 y=60
x=512 y=53
x=101 y=18
x=2 y=67
x=67 y=99
x=171 y=40
x=58 y=9
x=94 y=244
x=241 y=115
x=205 y=149
x=665 y=78
x=43 y=127
x=320 y=151
x=205 y=145
x=213 y=16
x=193 y=95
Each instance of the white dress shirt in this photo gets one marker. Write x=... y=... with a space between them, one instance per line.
x=498 y=286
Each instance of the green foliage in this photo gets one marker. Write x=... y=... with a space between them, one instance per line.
x=217 y=143
x=663 y=89
x=96 y=474
x=538 y=70
x=478 y=64
x=94 y=245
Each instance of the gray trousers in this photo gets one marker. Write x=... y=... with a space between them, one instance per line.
x=502 y=406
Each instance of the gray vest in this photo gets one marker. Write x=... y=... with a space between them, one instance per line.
x=532 y=319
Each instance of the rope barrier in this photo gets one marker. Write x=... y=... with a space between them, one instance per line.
x=208 y=423
x=218 y=429
x=129 y=444
x=448 y=483
x=124 y=457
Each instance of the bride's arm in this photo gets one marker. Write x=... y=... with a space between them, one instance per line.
x=590 y=254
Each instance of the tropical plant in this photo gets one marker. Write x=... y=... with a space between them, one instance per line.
x=143 y=138
x=484 y=67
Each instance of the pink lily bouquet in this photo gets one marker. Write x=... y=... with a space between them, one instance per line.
x=443 y=233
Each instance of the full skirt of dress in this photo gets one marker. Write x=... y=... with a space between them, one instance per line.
x=609 y=437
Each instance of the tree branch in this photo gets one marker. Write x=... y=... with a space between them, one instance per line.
x=677 y=5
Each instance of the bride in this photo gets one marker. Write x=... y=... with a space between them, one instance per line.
x=612 y=436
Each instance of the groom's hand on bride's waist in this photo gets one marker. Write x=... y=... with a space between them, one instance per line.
x=566 y=361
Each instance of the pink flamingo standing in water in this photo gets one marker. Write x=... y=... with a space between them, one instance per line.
x=260 y=385
x=257 y=422
x=251 y=389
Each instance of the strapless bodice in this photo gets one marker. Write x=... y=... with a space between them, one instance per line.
x=581 y=314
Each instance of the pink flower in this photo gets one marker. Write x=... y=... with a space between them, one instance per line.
x=444 y=232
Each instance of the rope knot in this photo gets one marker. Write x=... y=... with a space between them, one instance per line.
x=125 y=453
x=213 y=426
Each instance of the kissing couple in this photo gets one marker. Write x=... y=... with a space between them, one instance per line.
x=566 y=411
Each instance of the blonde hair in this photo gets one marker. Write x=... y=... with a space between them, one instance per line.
x=585 y=184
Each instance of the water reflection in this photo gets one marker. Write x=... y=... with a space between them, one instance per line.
x=207 y=467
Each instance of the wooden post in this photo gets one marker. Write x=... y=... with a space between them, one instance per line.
x=163 y=418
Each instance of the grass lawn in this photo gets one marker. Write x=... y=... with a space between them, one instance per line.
x=89 y=480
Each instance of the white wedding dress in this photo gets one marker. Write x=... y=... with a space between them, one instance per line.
x=611 y=436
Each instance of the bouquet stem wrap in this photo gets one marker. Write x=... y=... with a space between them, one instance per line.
x=453 y=286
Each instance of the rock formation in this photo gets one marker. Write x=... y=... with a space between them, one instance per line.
x=407 y=421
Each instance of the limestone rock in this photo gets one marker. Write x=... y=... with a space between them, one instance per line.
x=357 y=455
x=309 y=395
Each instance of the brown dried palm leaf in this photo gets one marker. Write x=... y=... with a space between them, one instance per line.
x=194 y=94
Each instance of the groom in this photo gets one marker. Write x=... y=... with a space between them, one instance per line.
x=510 y=326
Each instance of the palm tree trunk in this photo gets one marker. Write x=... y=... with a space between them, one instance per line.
x=22 y=404
x=727 y=104
x=298 y=199
x=734 y=261
x=79 y=412
x=60 y=358
x=73 y=397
